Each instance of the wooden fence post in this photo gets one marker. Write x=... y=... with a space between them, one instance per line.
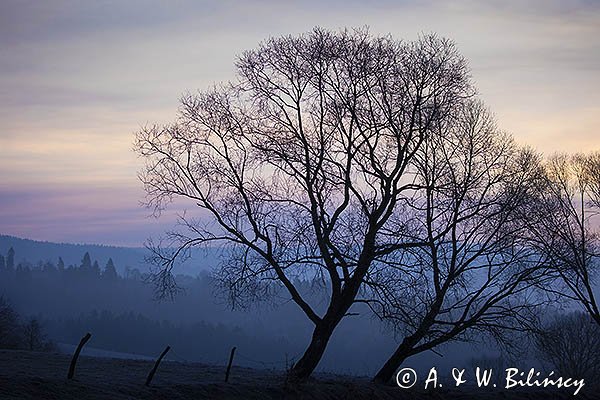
x=153 y=371
x=229 y=364
x=76 y=355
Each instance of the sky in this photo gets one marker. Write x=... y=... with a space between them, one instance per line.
x=78 y=79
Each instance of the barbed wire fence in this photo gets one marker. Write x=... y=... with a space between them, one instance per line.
x=287 y=363
x=227 y=361
x=282 y=364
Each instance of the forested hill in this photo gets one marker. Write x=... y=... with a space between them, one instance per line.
x=123 y=257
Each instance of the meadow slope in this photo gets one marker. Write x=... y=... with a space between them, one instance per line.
x=31 y=375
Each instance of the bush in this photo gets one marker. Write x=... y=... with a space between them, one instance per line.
x=9 y=326
x=14 y=335
x=571 y=345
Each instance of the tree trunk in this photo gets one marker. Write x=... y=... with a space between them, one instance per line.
x=386 y=373
x=302 y=370
x=313 y=354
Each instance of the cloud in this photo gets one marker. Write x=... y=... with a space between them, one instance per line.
x=108 y=214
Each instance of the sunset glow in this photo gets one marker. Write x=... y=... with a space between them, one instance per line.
x=78 y=79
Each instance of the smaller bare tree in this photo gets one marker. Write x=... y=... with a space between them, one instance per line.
x=566 y=230
x=478 y=271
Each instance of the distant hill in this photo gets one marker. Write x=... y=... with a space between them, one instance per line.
x=133 y=257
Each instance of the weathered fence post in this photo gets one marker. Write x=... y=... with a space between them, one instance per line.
x=229 y=364
x=76 y=354
x=153 y=371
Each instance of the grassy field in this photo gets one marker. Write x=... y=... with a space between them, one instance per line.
x=31 y=375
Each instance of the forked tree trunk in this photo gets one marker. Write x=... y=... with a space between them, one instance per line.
x=302 y=370
x=313 y=354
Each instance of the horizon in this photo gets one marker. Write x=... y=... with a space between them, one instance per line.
x=80 y=79
x=68 y=243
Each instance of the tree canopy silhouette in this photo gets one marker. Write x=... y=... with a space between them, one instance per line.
x=303 y=166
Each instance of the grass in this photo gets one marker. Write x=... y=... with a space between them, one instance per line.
x=32 y=375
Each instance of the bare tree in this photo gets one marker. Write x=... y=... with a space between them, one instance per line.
x=567 y=230
x=478 y=271
x=571 y=345
x=592 y=173
x=301 y=166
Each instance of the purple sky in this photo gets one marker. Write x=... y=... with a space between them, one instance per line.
x=79 y=78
